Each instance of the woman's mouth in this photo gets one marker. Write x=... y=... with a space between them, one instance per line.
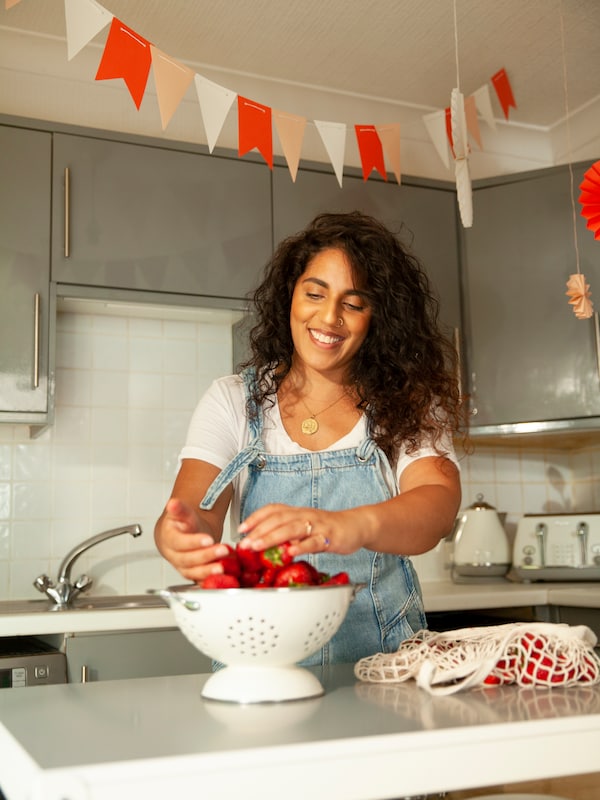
x=325 y=338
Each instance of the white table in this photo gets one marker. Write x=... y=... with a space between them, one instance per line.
x=157 y=738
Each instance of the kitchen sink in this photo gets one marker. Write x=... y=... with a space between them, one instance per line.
x=84 y=603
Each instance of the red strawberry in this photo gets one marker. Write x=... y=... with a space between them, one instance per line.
x=299 y=573
x=339 y=579
x=249 y=559
x=250 y=579
x=277 y=556
x=220 y=581
x=267 y=577
x=231 y=563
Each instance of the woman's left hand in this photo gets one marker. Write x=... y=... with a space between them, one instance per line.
x=309 y=530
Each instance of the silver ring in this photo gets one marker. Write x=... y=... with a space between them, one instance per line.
x=326 y=542
x=308 y=528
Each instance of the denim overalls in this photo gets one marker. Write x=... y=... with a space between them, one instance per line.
x=390 y=608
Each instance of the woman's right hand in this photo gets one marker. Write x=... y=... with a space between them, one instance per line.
x=182 y=538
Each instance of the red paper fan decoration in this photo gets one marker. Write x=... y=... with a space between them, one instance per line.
x=590 y=198
x=579 y=292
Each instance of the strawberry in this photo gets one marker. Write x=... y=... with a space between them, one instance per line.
x=339 y=579
x=220 y=581
x=249 y=559
x=231 y=563
x=250 y=579
x=277 y=556
x=267 y=577
x=299 y=573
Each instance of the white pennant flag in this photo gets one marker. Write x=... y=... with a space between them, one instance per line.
x=215 y=102
x=436 y=128
x=333 y=135
x=84 y=19
x=483 y=101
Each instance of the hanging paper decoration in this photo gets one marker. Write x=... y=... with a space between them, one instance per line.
x=254 y=129
x=503 y=90
x=437 y=130
x=84 y=19
x=10 y=3
x=215 y=102
x=333 y=135
x=590 y=198
x=461 y=158
x=126 y=55
x=371 y=150
x=390 y=140
x=290 y=129
x=172 y=80
x=579 y=292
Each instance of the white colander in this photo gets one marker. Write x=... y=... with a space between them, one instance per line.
x=259 y=635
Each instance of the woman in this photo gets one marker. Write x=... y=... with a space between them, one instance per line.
x=338 y=433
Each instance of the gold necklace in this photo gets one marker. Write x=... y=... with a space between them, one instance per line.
x=310 y=424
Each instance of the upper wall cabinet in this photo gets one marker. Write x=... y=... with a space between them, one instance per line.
x=531 y=359
x=148 y=218
x=423 y=217
x=25 y=314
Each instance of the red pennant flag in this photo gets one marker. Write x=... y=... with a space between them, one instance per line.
x=371 y=150
x=504 y=91
x=126 y=55
x=254 y=129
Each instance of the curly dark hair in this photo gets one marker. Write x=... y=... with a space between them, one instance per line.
x=405 y=371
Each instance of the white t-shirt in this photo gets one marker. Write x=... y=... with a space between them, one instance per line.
x=219 y=429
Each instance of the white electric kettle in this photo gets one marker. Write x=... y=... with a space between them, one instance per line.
x=479 y=547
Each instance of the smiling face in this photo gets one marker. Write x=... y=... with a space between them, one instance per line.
x=324 y=294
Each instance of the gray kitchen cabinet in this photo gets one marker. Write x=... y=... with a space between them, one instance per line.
x=423 y=216
x=26 y=384
x=531 y=359
x=135 y=216
x=131 y=654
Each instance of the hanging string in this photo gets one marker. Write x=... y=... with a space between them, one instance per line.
x=569 y=153
x=456 y=46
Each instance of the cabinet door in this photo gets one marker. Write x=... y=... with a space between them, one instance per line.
x=141 y=217
x=531 y=359
x=423 y=217
x=25 y=164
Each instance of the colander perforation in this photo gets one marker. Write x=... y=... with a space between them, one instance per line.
x=252 y=636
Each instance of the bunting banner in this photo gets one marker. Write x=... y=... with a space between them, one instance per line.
x=172 y=81
x=254 y=129
x=215 y=102
x=126 y=55
x=129 y=56
x=84 y=19
x=390 y=140
x=370 y=150
x=503 y=89
x=290 y=129
x=333 y=135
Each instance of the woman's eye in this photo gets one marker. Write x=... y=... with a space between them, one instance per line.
x=353 y=307
x=313 y=296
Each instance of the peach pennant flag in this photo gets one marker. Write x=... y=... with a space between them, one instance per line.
x=290 y=129
x=84 y=19
x=436 y=128
x=171 y=79
x=10 y=3
x=371 y=150
x=390 y=140
x=472 y=121
x=126 y=55
x=483 y=103
x=254 y=129
x=215 y=102
x=333 y=135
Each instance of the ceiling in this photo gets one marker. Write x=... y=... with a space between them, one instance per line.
x=403 y=51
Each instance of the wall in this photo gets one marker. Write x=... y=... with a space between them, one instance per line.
x=126 y=387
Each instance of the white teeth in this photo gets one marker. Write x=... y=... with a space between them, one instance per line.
x=324 y=338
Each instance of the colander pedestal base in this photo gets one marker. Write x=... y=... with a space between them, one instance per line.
x=262 y=684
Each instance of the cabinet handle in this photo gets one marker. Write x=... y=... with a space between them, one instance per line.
x=36 y=340
x=597 y=338
x=458 y=349
x=85 y=675
x=67 y=211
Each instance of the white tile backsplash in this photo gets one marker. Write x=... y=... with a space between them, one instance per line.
x=126 y=388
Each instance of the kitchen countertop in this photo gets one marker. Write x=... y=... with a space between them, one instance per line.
x=438 y=596
x=157 y=738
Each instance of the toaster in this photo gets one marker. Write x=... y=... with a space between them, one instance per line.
x=557 y=547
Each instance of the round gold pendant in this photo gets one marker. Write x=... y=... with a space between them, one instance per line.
x=310 y=426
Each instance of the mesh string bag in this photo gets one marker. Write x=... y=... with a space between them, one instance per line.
x=526 y=654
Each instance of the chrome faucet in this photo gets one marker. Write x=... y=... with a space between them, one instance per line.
x=63 y=591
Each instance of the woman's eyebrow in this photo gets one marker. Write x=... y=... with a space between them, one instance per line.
x=325 y=285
